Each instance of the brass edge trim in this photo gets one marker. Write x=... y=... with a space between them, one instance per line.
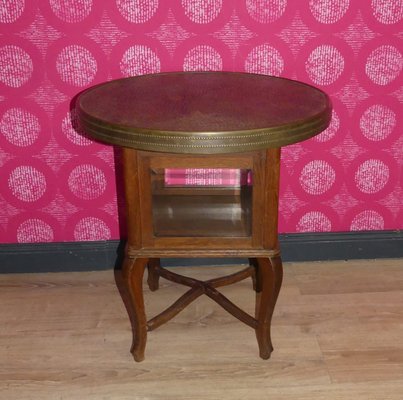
x=227 y=147
x=88 y=121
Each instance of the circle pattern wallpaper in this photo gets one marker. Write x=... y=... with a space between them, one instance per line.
x=58 y=185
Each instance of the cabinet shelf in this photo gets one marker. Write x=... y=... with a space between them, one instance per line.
x=202 y=215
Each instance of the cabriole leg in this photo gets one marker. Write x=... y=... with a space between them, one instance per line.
x=269 y=275
x=153 y=266
x=133 y=271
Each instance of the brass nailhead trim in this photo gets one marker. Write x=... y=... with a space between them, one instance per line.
x=174 y=145
x=190 y=137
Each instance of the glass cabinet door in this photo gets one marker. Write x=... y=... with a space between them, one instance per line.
x=201 y=202
x=193 y=200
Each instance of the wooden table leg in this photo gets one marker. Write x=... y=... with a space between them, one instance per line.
x=133 y=271
x=269 y=275
x=153 y=266
x=266 y=272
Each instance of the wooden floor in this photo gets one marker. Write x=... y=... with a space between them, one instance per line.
x=337 y=333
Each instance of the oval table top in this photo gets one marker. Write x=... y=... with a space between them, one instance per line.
x=203 y=112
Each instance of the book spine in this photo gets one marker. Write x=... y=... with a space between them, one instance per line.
x=221 y=177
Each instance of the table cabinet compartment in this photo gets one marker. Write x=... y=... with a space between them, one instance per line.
x=201 y=197
x=202 y=202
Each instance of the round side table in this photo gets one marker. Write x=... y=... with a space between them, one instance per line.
x=201 y=162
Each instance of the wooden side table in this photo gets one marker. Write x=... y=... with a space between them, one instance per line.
x=201 y=158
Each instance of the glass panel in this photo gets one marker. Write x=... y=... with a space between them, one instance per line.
x=202 y=202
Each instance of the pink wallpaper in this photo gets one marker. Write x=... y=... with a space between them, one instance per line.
x=56 y=185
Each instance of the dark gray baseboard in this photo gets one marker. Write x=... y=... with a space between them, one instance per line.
x=92 y=256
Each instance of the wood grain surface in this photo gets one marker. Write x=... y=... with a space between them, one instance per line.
x=337 y=332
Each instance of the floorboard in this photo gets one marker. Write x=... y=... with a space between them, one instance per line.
x=337 y=332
